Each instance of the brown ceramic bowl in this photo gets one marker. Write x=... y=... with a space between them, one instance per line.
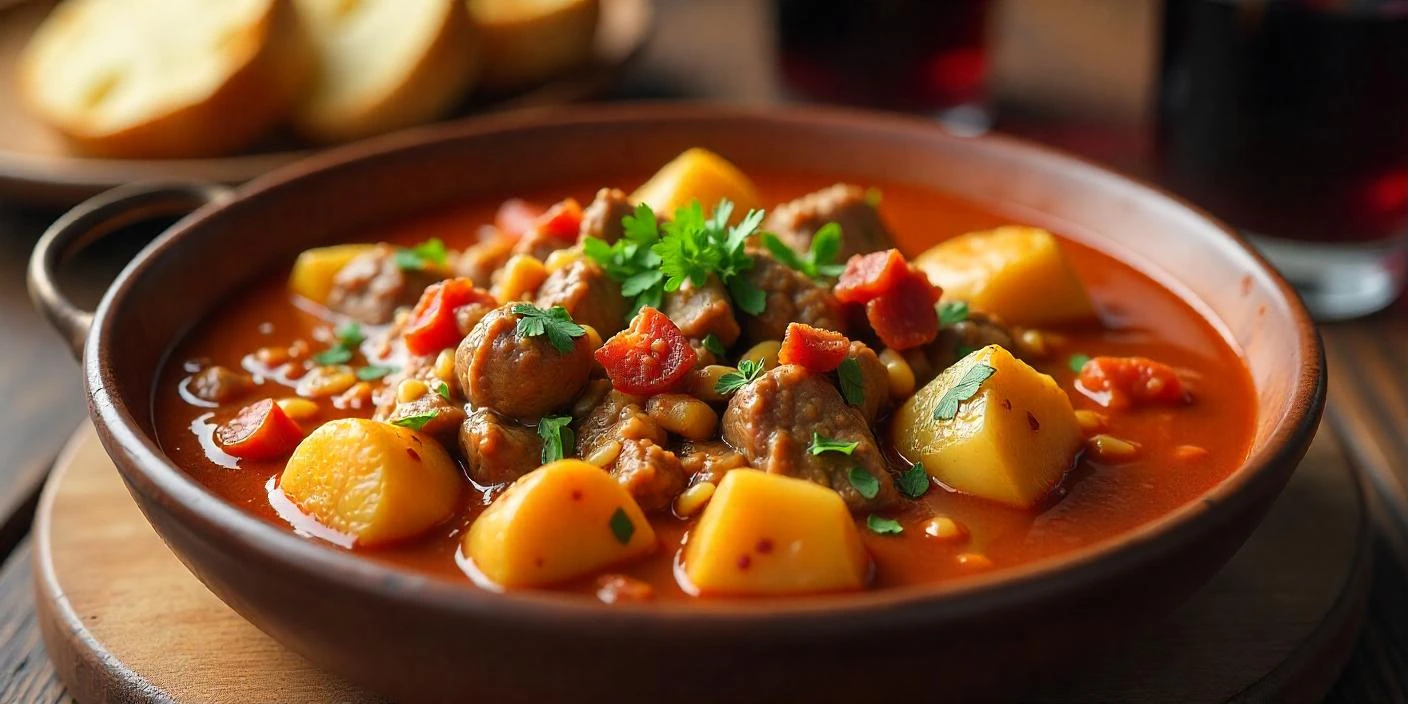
x=416 y=639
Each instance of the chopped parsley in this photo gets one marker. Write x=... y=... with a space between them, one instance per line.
x=823 y=444
x=333 y=355
x=556 y=437
x=1077 y=362
x=621 y=526
x=914 y=482
x=430 y=254
x=883 y=526
x=555 y=323
x=966 y=388
x=348 y=336
x=864 y=482
x=952 y=313
x=748 y=370
x=715 y=346
x=443 y=389
x=372 y=372
x=819 y=261
x=852 y=383
x=417 y=421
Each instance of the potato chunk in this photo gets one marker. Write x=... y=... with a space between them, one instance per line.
x=1016 y=273
x=697 y=174
x=373 y=481
x=769 y=534
x=1011 y=441
x=315 y=268
x=562 y=520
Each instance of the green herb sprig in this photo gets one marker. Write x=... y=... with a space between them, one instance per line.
x=347 y=337
x=883 y=526
x=952 y=313
x=556 y=323
x=748 y=370
x=820 y=260
x=417 y=421
x=914 y=482
x=852 y=382
x=864 y=482
x=621 y=526
x=430 y=254
x=966 y=388
x=822 y=445
x=557 y=437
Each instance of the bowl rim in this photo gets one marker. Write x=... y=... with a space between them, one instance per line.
x=146 y=469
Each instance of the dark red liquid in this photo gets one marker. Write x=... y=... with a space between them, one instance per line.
x=896 y=54
x=1289 y=118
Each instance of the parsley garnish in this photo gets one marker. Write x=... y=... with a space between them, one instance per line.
x=820 y=260
x=621 y=526
x=748 y=370
x=430 y=254
x=373 y=372
x=883 y=526
x=714 y=345
x=629 y=261
x=443 y=389
x=554 y=322
x=1077 y=362
x=852 y=383
x=556 y=436
x=821 y=444
x=952 y=313
x=417 y=421
x=864 y=482
x=966 y=388
x=333 y=355
x=914 y=482
x=349 y=336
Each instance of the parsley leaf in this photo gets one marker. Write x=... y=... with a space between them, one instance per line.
x=749 y=298
x=820 y=260
x=883 y=526
x=914 y=482
x=630 y=261
x=852 y=383
x=349 y=335
x=864 y=482
x=714 y=345
x=333 y=355
x=966 y=388
x=372 y=372
x=417 y=421
x=443 y=389
x=952 y=313
x=1077 y=362
x=556 y=437
x=621 y=526
x=821 y=444
x=555 y=323
x=430 y=254
x=748 y=370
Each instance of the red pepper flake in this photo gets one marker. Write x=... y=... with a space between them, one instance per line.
x=576 y=494
x=765 y=546
x=744 y=562
x=1006 y=404
x=1031 y=420
x=414 y=455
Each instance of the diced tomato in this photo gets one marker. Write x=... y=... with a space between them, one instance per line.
x=432 y=326
x=563 y=220
x=1131 y=382
x=260 y=431
x=648 y=357
x=869 y=276
x=904 y=317
x=816 y=349
x=516 y=216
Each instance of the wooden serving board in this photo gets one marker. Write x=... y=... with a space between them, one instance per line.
x=125 y=622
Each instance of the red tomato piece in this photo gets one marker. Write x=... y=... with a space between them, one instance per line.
x=433 y=326
x=563 y=220
x=905 y=317
x=869 y=276
x=1131 y=382
x=516 y=216
x=816 y=349
x=260 y=431
x=649 y=357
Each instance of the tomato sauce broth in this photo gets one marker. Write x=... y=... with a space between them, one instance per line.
x=1096 y=502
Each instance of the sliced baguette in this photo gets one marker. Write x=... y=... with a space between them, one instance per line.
x=164 y=78
x=529 y=41
x=384 y=65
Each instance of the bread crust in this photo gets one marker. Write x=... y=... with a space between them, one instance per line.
x=523 y=51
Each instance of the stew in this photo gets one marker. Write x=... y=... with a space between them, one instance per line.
x=687 y=392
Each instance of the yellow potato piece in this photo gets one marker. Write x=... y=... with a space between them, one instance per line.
x=769 y=534
x=698 y=174
x=375 y=482
x=1016 y=273
x=1011 y=442
x=315 y=268
x=563 y=520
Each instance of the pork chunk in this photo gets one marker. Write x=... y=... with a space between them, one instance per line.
x=862 y=229
x=372 y=286
x=602 y=219
x=652 y=473
x=516 y=375
x=588 y=294
x=497 y=450
x=699 y=311
x=791 y=297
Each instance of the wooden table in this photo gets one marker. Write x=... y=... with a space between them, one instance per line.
x=715 y=49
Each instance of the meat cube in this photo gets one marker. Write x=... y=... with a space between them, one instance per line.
x=496 y=450
x=217 y=384
x=791 y=297
x=862 y=229
x=699 y=311
x=874 y=381
x=446 y=414
x=519 y=376
x=588 y=294
x=372 y=286
x=955 y=341
x=479 y=261
x=652 y=473
x=709 y=461
x=602 y=219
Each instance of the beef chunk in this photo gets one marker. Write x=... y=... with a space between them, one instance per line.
x=875 y=381
x=791 y=297
x=709 y=461
x=703 y=310
x=588 y=294
x=862 y=229
x=652 y=473
x=371 y=287
x=957 y=340
x=602 y=219
x=448 y=413
x=479 y=261
x=496 y=450
x=218 y=384
x=617 y=417
x=771 y=422
x=518 y=376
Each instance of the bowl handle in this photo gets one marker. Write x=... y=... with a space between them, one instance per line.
x=91 y=220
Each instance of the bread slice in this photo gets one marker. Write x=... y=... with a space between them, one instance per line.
x=530 y=41
x=384 y=65
x=164 y=78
